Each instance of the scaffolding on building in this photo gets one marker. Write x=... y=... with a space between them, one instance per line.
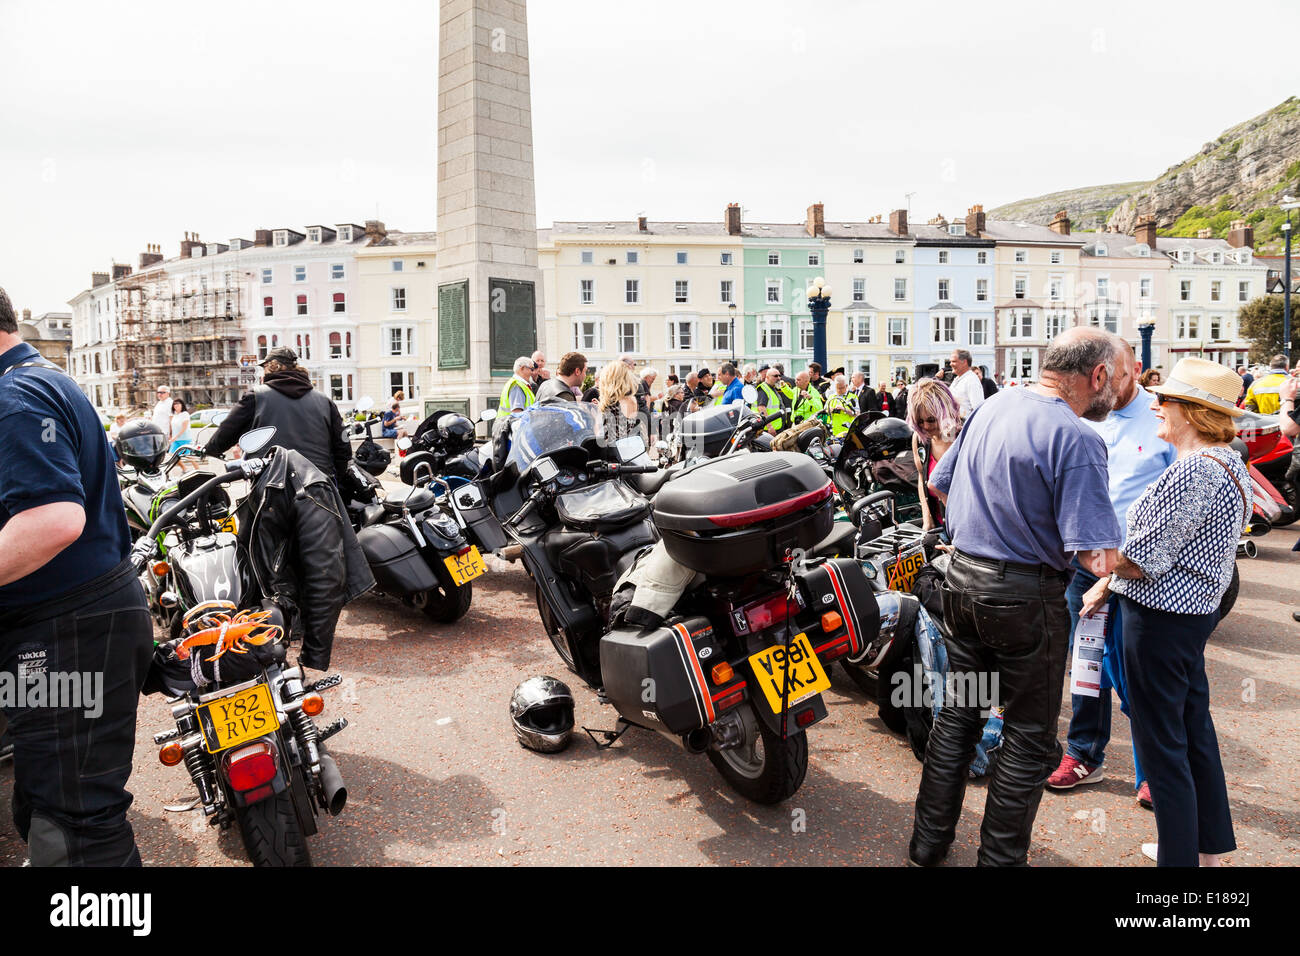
x=189 y=339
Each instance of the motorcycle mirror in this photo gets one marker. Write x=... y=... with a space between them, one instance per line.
x=749 y=393
x=365 y=404
x=662 y=446
x=487 y=414
x=253 y=442
x=630 y=448
x=220 y=417
x=403 y=443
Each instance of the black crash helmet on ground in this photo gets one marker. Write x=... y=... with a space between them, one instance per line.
x=541 y=709
x=141 y=445
x=457 y=432
x=886 y=438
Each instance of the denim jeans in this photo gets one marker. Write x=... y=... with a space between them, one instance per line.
x=1090 y=716
x=72 y=761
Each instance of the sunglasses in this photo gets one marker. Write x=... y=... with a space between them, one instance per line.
x=928 y=421
x=1161 y=399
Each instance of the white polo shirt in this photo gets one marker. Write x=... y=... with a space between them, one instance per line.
x=968 y=391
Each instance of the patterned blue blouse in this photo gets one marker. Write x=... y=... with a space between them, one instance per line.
x=1183 y=533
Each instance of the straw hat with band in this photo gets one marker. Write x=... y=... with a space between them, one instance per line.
x=1204 y=383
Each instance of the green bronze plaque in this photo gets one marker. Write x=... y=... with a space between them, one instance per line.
x=512 y=322
x=453 y=325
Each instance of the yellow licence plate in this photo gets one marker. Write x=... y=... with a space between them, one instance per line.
x=465 y=567
x=902 y=573
x=807 y=676
x=229 y=525
x=229 y=721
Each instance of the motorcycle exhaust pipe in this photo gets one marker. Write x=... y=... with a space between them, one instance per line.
x=331 y=783
x=697 y=741
x=1247 y=548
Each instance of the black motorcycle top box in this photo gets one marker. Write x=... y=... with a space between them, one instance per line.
x=739 y=514
x=706 y=432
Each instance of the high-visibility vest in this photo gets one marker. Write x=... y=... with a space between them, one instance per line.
x=771 y=400
x=842 y=409
x=529 y=397
x=1265 y=393
x=806 y=405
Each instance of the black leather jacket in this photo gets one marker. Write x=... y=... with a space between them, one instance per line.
x=303 y=551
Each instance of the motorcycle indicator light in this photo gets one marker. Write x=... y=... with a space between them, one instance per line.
x=171 y=754
x=251 y=767
x=313 y=704
x=722 y=673
x=831 y=621
x=160 y=569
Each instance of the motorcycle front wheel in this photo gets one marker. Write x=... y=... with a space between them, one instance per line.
x=445 y=605
x=763 y=768
x=271 y=833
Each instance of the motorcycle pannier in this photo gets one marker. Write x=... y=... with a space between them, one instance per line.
x=839 y=585
x=658 y=677
x=706 y=432
x=739 y=514
x=397 y=565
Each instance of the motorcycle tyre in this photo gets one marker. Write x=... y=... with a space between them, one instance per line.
x=781 y=773
x=444 y=605
x=893 y=717
x=862 y=678
x=271 y=832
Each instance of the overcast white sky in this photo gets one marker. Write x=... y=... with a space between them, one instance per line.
x=125 y=124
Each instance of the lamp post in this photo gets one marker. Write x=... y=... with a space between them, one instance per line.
x=1288 y=203
x=1145 y=330
x=731 y=311
x=819 y=303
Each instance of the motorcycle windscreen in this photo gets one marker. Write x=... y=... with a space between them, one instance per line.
x=546 y=429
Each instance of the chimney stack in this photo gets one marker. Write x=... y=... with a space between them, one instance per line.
x=120 y=271
x=150 y=255
x=732 y=219
x=1206 y=233
x=261 y=237
x=188 y=243
x=640 y=223
x=815 y=223
x=1146 y=231
x=898 y=221
x=375 y=231
x=27 y=316
x=975 y=221
x=1060 y=224
x=1241 y=235
x=98 y=278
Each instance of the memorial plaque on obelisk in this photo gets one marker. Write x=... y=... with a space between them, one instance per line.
x=489 y=287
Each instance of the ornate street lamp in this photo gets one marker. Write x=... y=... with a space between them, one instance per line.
x=819 y=303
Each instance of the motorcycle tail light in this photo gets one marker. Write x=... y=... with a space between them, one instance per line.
x=313 y=704
x=171 y=753
x=722 y=673
x=251 y=767
x=772 y=611
x=805 y=717
x=160 y=569
x=465 y=550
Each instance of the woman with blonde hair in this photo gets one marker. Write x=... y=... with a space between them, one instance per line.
x=1174 y=567
x=616 y=387
x=935 y=419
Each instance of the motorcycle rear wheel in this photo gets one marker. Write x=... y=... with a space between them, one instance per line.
x=271 y=833
x=763 y=768
x=445 y=605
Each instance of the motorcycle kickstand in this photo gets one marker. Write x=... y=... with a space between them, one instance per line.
x=610 y=736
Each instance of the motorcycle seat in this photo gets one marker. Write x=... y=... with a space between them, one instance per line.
x=839 y=543
x=406 y=497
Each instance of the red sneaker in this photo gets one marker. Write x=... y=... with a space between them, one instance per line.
x=1144 y=796
x=1071 y=773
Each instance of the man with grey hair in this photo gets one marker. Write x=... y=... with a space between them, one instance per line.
x=517 y=394
x=645 y=393
x=750 y=375
x=966 y=387
x=1026 y=486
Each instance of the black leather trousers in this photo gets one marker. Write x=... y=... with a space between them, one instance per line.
x=1012 y=621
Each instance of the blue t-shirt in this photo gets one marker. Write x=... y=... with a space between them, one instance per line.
x=732 y=394
x=1027 y=482
x=55 y=449
x=1135 y=456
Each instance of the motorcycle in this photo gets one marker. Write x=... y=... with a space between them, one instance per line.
x=734 y=668
x=244 y=722
x=416 y=551
x=1268 y=456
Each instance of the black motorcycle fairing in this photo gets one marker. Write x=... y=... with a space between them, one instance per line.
x=208 y=570
x=597 y=560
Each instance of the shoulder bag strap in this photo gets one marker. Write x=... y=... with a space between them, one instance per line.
x=1244 y=497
